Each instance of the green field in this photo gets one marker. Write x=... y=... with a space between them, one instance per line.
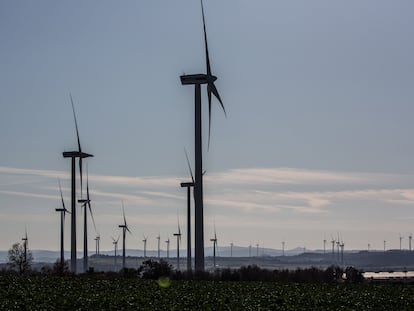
x=103 y=293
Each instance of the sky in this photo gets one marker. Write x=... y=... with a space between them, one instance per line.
x=316 y=142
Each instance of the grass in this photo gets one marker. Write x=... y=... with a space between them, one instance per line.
x=105 y=293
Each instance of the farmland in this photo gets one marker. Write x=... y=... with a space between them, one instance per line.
x=41 y=292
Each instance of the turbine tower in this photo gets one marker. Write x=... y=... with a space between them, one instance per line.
x=214 y=240
x=385 y=242
x=197 y=80
x=188 y=185
x=145 y=246
x=63 y=212
x=231 y=249
x=333 y=248
x=86 y=204
x=401 y=238
x=73 y=155
x=125 y=228
x=410 y=237
x=178 y=235
x=283 y=248
x=324 y=246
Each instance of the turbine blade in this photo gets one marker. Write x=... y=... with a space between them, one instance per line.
x=76 y=123
x=205 y=41
x=217 y=95
x=123 y=212
x=90 y=211
x=189 y=166
x=61 y=196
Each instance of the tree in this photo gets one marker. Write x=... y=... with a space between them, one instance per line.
x=152 y=269
x=20 y=258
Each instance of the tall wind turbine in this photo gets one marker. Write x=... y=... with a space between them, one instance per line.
x=125 y=228
x=197 y=80
x=214 y=240
x=168 y=247
x=115 y=243
x=145 y=246
x=63 y=212
x=73 y=155
x=410 y=237
x=188 y=185
x=86 y=204
x=178 y=235
x=401 y=238
x=158 y=238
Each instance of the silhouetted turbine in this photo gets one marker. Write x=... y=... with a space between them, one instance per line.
x=214 y=240
x=158 y=248
x=73 y=155
x=63 y=212
x=125 y=228
x=168 y=247
x=97 y=244
x=178 y=235
x=188 y=185
x=25 y=242
x=145 y=246
x=115 y=242
x=197 y=80
x=86 y=204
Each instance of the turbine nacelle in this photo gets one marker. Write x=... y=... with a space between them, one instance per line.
x=200 y=78
x=187 y=184
x=76 y=154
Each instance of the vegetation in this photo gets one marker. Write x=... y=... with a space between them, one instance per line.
x=104 y=292
x=20 y=258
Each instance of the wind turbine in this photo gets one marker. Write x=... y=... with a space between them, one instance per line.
x=115 y=242
x=257 y=249
x=324 y=246
x=197 y=80
x=25 y=242
x=401 y=238
x=342 y=245
x=168 y=247
x=188 y=185
x=73 y=155
x=410 y=237
x=86 y=204
x=97 y=244
x=333 y=248
x=145 y=246
x=231 y=249
x=385 y=242
x=158 y=238
x=283 y=248
x=178 y=235
x=63 y=212
x=214 y=240
x=250 y=250
x=125 y=228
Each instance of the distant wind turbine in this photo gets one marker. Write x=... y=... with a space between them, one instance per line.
x=168 y=247
x=188 y=185
x=231 y=249
x=63 y=212
x=97 y=244
x=385 y=242
x=73 y=155
x=158 y=238
x=283 y=248
x=145 y=246
x=115 y=243
x=86 y=204
x=197 y=80
x=333 y=248
x=401 y=238
x=214 y=240
x=178 y=235
x=25 y=243
x=410 y=237
x=125 y=228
